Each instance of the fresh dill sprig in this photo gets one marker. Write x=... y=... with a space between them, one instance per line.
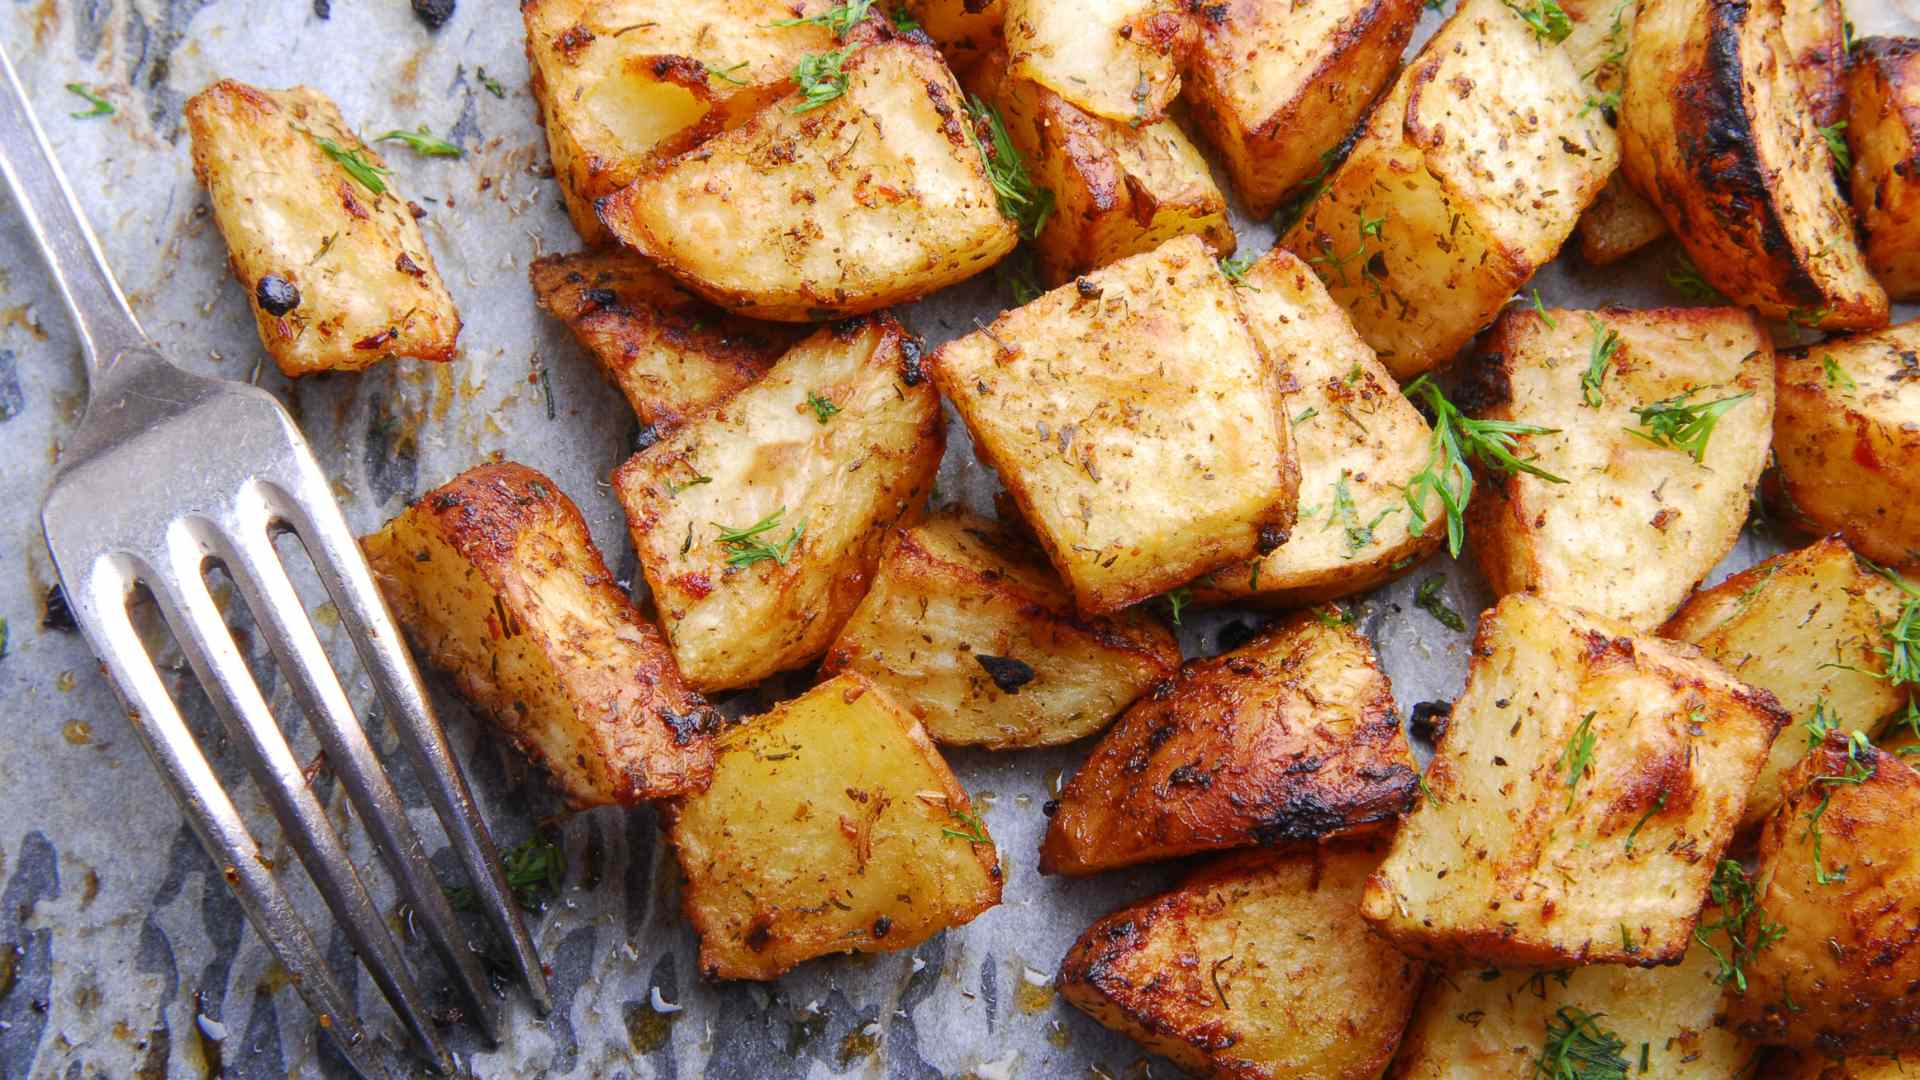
x=1678 y=424
x=1547 y=19
x=1578 y=1048
x=535 y=870
x=840 y=18
x=1685 y=278
x=1456 y=439
x=1303 y=193
x=370 y=176
x=1836 y=136
x=1177 y=601
x=423 y=142
x=1235 y=267
x=823 y=409
x=1659 y=804
x=1022 y=202
x=903 y=20
x=490 y=84
x=1577 y=758
x=1859 y=770
x=1836 y=375
x=973 y=830
x=1606 y=342
x=746 y=548
x=1429 y=600
x=99 y=106
x=1742 y=919
x=725 y=74
x=820 y=78
x=1346 y=515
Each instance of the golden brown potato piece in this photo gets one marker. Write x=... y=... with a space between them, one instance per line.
x=1807 y=627
x=335 y=269
x=1359 y=441
x=670 y=352
x=832 y=826
x=1839 y=873
x=969 y=628
x=623 y=84
x=1257 y=967
x=1718 y=130
x=1813 y=1065
x=1883 y=130
x=1581 y=796
x=497 y=582
x=876 y=197
x=1136 y=422
x=1470 y=174
x=1117 y=59
x=759 y=523
x=1847 y=439
x=1490 y=1025
x=1620 y=222
x=965 y=30
x=1815 y=34
x=1119 y=189
x=1276 y=84
x=1637 y=523
x=1288 y=739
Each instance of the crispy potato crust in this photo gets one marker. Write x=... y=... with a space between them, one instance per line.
x=1117 y=59
x=965 y=30
x=1796 y=1065
x=1620 y=222
x=1883 y=130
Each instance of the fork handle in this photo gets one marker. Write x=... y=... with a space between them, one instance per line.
x=107 y=326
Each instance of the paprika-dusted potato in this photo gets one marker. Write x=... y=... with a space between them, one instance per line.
x=1117 y=59
x=965 y=30
x=1883 y=130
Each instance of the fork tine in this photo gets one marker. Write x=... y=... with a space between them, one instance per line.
x=343 y=569
x=197 y=624
x=256 y=569
x=100 y=606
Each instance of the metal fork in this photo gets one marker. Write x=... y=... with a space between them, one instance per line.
x=168 y=475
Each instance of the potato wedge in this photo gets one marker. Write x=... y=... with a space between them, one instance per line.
x=1619 y=222
x=1718 y=131
x=832 y=826
x=1838 y=871
x=969 y=628
x=1883 y=131
x=1813 y=1065
x=1289 y=739
x=623 y=84
x=1135 y=421
x=1637 y=523
x=335 y=269
x=1492 y=1025
x=1214 y=976
x=1806 y=627
x=495 y=578
x=670 y=352
x=876 y=197
x=1359 y=441
x=965 y=30
x=759 y=523
x=1117 y=59
x=1582 y=794
x=1119 y=189
x=1470 y=174
x=1815 y=34
x=1275 y=85
x=1847 y=438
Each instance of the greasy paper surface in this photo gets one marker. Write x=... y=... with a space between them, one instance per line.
x=127 y=936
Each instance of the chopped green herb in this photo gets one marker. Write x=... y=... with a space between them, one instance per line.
x=746 y=546
x=823 y=409
x=675 y=487
x=100 y=106
x=423 y=142
x=1577 y=758
x=1456 y=439
x=1306 y=414
x=1541 y=309
x=1347 y=515
x=1837 y=375
x=1547 y=19
x=903 y=20
x=1429 y=600
x=1017 y=275
x=1235 y=268
x=972 y=830
x=1626 y=942
x=1332 y=614
x=1743 y=921
x=1177 y=601
x=1578 y=1048
x=1606 y=342
x=725 y=74
x=1659 y=804
x=1858 y=772
x=1307 y=190
x=839 y=18
x=536 y=868
x=490 y=84
x=1679 y=425
x=370 y=176
x=1836 y=136
x=1608 y=103
x=1686 y=279
x=546 y=389
x=3 y=637
x=1021 y=200
x=1809 y=318
x=820 y=79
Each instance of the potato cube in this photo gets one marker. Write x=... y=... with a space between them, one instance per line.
x=965 y=30
x=1136 y=422
x=496 y=580
x=1289 y=739
x=876 y=197
x=832 y=826
x=1359 y=441
x=1581 y=796
x=759 y=523
x=1883 y=130
x=1450 y=200
x=1620 y=222
x=1275 y=84
x=1214 y=974
x=1117 y=59
x=1636 y=522
x=335 y=269
x=969 y=628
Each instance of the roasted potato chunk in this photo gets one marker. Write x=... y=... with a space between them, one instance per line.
x=759 y=523
x=1847 y=439
x=1648 y=503
x=1276 y=85
x=1839 y=873
x=496 y=580
x=1359 y=441
x=1883 y=131
x=1807 y=627
x=1290 y=738
x=965 y=30
x=335 y=269
x=1620 y=222
x=1470 y=174
x=1214 y=976
x=623 y=84
x=670 y=352
x=1718 y=131
x=832 y=826
x=1490 y=1025
x=1119 y=189
x=1117 y=59
x=1815 y=34
x=1136 y=423
x=1585 y=787
x=969 y=628
x=876 y=197
x=1813 y=1065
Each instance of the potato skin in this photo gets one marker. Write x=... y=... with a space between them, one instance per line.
x=1287 y=740
x=1508 y=864
x=1848 y=445
x=1813 y=1065
x=495 y=578
x=1883 y=131
x=1717 y=130
x=832 y=825
x=965 y=30
x=365 y=288
x=1212 y=974
x=1116 y=59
